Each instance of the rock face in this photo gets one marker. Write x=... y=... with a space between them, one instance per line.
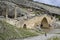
x=36 y=5
x=11 y=8
x=11 y=4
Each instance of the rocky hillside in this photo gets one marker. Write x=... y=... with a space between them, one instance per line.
x=36 y=5
x=21 y=10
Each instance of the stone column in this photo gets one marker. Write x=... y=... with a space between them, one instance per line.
x=15 y=13
x=7 y=13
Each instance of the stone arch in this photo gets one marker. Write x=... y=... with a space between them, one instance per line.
x=24 y=26
x=44 y=23
x=36 y=22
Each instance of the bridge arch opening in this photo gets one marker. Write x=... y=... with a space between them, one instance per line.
x=44 y=23
x=24 y=26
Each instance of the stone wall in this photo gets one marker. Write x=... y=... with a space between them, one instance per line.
x=37 y=21
x=31 y=23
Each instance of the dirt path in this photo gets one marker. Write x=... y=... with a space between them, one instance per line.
x=42 y=37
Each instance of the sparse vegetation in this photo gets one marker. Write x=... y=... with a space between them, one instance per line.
x=8 y=31
x=54 y=38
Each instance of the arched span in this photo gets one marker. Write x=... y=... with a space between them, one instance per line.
x=38 y=20
x=44 y=23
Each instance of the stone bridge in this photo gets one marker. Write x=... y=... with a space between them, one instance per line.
x=43 y=20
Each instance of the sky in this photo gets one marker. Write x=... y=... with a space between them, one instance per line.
x=51 y=2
